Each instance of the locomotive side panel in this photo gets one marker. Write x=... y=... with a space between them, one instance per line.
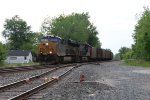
x=61 y=51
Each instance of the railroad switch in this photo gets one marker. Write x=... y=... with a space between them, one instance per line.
x=82 y=78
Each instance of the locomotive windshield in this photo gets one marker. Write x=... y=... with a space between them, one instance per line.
x=51 y=39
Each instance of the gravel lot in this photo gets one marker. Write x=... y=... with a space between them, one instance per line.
x=107 y=81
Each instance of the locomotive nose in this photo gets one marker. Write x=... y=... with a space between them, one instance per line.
x=48 y=48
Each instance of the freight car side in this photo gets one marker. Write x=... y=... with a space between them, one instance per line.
x=100 y=54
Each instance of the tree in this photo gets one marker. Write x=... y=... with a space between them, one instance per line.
x=18 y=33
x=123 y=51
x=37 y=39
x=128 y=54
x=117 y=56
x=75 y=26
x=2 y=52
x=93 y=39
x=141 y=36
x=146 y=45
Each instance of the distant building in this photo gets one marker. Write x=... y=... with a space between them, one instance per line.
x=19 y=56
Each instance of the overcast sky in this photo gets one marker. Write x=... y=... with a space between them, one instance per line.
x=114 y=19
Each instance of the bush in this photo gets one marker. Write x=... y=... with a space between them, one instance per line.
x=2 y=52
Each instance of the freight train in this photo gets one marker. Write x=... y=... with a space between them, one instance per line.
x=53 y=48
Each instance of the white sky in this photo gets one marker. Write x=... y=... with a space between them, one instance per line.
x=114 y=19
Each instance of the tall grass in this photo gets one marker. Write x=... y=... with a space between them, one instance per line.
x=141 y=63
x=1 y=63
x=5 y=65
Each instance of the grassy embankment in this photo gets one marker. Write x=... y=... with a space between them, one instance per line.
x=5 y=65
x=141 y=63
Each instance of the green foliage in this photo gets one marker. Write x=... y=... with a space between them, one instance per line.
x=128 y=54
x=117 y=56
x=8 y=65
x=75 y=26
x=135 y=62
x=124 y=52
x=18 y=33
x=142 y=36
x=37 y=38
x=3 y=52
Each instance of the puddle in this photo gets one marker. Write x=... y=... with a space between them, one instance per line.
x=142 y=71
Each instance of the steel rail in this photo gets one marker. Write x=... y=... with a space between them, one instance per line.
x=42 y=86
x=24 y=68
x=4 y=87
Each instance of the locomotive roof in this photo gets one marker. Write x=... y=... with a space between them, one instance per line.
x=69 y=40
x=53 y=36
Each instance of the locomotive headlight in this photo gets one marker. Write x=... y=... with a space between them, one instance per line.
x=46 y=44
x=50 y=52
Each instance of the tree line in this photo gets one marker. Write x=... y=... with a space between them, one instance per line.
x=141 y=47
x=75 y=26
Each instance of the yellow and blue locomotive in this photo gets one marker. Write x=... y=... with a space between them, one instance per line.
x=57 y=49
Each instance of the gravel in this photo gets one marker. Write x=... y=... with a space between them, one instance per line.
x=104 y=81
x=7 y=78
x=7 y=94
x=107 y=81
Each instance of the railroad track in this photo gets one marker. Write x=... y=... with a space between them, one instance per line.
x=21 y=90
x=26 y=68
x=34 y=67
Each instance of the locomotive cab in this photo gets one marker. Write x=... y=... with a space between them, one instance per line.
x=48 y=48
